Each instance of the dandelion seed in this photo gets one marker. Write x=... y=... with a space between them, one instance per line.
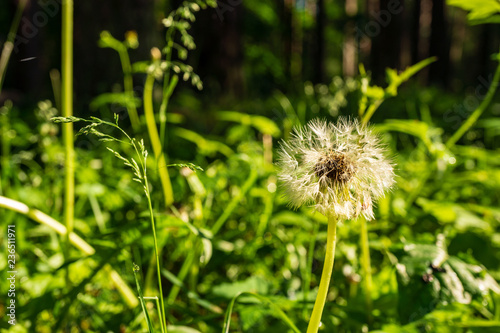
x=339 y=169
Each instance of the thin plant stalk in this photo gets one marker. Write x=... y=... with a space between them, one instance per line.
x=168 y=87
x=76 y=240
x=167 y=92
x=67 y=111
x=326 y=276
x=163 y=321
x=150 y=272
x=371 y=110
x=7 y=49
x=140 y=172
x=155 y=298
x=186 y=266
x=478 y=111
x=310 y=257
x=366 y=264
x=145 y=182
x=5 y=150
x=8 y=46
x=141 y=298
x=234 y=202
x=128 y=86
x=155 y=140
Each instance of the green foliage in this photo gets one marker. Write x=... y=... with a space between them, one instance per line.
x=429 y=277
x=231 y=255
x=480 y=11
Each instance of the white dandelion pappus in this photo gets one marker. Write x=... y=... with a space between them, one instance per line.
x=340 y=169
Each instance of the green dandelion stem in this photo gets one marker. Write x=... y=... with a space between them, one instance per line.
x=326 y=276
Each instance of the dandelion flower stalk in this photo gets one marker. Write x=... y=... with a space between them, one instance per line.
x=339 y=170
x=326 y=276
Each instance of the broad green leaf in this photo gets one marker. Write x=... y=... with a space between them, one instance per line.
x=428 y=276
x=480 y=11
x=206 y=146
x=291 y=218
x=442 y=211
x=261 y=123
x=255 y=284
x=123 y=99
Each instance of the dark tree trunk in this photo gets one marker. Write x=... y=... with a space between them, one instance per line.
x=217 y=34
x=287 y=37
x=319 y=68
x=387 y=42
x=439 y=44
x=415 y=31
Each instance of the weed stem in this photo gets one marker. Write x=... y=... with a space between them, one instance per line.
x=326 y=276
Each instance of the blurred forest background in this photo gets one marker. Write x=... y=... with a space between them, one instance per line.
x=249 y=49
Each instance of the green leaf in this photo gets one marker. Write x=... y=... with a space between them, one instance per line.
x=413 y=127
x=262 y=124
x=428 y=277
x=277 y=311
x=395 y=80
x=442 y=211
x=480 y=11
x=254 y=284
x=181 y=329
x=251 y=315
x=123 y=99
x=206 y=146
x=192 y=295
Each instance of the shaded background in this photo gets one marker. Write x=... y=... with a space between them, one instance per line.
x=249 y=49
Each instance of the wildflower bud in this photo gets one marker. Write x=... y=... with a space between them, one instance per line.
x=167 y=22
x=131 y=39
x=155 y=53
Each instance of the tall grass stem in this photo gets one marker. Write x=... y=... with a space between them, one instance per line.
x=163 y=321
x=67 y=111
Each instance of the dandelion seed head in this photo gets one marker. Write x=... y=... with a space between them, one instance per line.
x=339 y=169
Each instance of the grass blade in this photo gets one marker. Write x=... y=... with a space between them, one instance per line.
x=279 y=313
